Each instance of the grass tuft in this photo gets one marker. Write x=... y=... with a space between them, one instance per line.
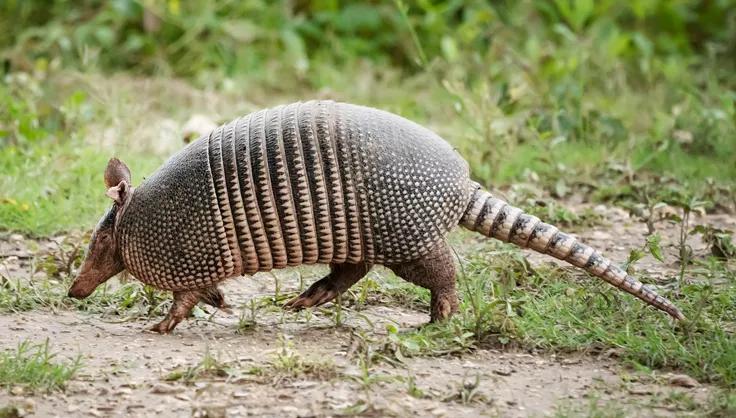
x=209 y=367
x=561 y=315
x=35 y=367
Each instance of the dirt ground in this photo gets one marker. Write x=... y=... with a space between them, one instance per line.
x=125 y=369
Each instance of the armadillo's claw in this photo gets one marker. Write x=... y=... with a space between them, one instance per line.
x=341 y=277
x=165 y=326
x=213 y=296
x=314 y=296
x=444 y=304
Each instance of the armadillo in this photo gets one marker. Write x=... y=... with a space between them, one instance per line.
x=305 y=183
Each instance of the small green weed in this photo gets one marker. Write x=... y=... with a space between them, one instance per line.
x=466 y=392
x=208 y=367
x=35 y=367
x=287 y=364
x=429 y=340
x=366 y=376
x=722 y=404
x=678 y=400
x=412 y=389
x=247 y=319
x=595 y=408
x=359 y=408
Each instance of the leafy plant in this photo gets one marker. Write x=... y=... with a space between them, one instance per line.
x=720 y=241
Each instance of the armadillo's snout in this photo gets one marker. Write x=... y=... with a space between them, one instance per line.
x=80 y=288
x=101 y=264
x=76 y=294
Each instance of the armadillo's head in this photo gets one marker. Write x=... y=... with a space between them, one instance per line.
x=104 y=258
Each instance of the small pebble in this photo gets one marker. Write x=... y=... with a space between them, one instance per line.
x=163 y=389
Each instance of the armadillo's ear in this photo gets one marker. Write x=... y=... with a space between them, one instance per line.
x=118 y=193
x=116 y=172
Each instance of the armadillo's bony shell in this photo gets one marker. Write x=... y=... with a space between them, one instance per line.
x=316 y=182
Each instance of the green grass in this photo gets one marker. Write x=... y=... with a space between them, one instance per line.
x=129 y=300
x=35 y=367
x=286 y=364
x=594 y=408
x=562 y=316
x=720 y=404
x=53 y=187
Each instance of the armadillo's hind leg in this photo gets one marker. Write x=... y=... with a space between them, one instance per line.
x=340 y=279
x=184 y=301
x=436 y=272
x=214 y=297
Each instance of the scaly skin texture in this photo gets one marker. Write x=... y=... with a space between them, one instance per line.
x=305 y=183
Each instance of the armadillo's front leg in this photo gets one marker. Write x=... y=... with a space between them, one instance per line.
x=184 y=302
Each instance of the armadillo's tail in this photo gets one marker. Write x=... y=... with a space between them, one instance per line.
x=495 y=218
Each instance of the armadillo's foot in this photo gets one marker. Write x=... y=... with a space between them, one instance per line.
x=341 y=277
x=165 y=326
x=184 y=302
x=444 y=303
x=319 y=293
x=214 y=297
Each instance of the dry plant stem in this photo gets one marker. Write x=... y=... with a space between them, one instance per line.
x=683 y=247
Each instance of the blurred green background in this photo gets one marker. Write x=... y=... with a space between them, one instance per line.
x=617 y=102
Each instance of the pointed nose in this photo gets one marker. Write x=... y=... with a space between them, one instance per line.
x=75 y=293
x=78 y=290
